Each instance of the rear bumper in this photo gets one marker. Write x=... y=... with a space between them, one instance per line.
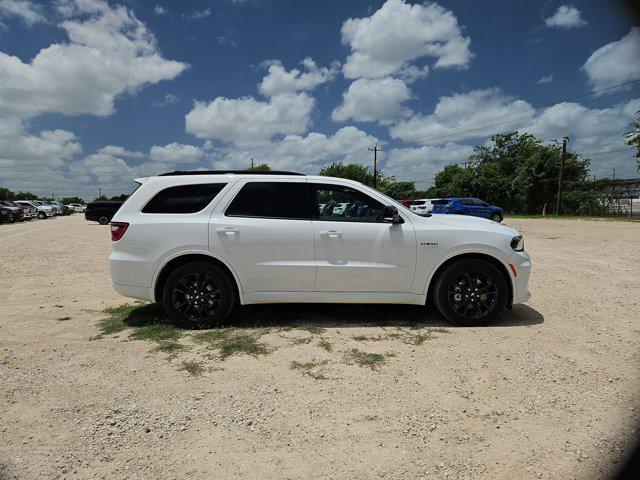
x=141 y=293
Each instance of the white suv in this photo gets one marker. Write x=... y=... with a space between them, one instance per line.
x=201 y=242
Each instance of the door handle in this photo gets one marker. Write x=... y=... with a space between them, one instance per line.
x=331 y=234
x=228 y=230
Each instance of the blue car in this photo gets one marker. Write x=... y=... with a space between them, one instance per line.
x=468 y=206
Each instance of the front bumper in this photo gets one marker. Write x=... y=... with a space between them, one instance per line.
x=522 y=264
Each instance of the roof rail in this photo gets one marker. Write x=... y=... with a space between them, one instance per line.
x=223 y=172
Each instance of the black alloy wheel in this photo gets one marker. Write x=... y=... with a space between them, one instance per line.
x=103 y=220
x=199 y=295
x=471 y=292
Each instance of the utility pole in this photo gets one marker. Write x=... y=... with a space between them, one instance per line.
x=464 y=162
x=99 y=192
x=375 y=151
x=565 y=140
x=251 y=162
x=614 y=173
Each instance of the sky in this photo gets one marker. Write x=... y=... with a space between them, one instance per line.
x=95 y=93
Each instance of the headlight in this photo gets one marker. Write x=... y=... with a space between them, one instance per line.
x=517 y=243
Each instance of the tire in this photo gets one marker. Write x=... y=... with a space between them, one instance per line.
x=103 y=220
x=456 y=293
x=42 y=215
x=200 y=310
x=496 y=217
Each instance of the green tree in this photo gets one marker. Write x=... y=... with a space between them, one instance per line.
x=6 y=194
x=119 y=198
x=517 y=172
x=633 y=139
x=68 y=200
x=261 y=167
x=351 y=171
x=25 y=196
x=101 y=198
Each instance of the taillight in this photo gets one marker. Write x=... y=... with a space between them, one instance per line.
x=117 y=230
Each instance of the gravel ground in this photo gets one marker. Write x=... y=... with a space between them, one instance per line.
x=550 y=392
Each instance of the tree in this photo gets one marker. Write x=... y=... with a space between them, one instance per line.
x=68 y=200
x=6 y=194
x=101 y=198
x=119 y=198
x=25 y=196
x=351 y=171
x=517 y=172
x=261 y=167
x=633 y=139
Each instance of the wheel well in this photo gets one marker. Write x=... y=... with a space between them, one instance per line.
x=183 y=260
x=481 y=256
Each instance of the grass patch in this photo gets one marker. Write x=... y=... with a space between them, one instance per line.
x=193 y=368
x=310 y=369
x=611 y=218
x=366 y=359
x=212 y=336
x=370 y=338
x=63 y=319
x=156 y=333
x=301 y=341
x=312 y=329
x=149 y=322
x=171 y=348
x=325 y=345
x=241 y=344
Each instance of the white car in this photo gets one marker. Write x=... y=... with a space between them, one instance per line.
x=422 y=206
x=43 y=211
x=77 y=207
x=202 y=242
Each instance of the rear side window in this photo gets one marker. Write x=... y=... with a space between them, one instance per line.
x=270 y=200
x=441 y=202
x=183 y=198
x=466 y=202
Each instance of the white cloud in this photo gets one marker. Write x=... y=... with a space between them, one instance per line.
x=464 y=116
x=398 y=33
x=110 y=52
x=375 y=100
x=199 y=14
x=168 y=99
x=545 y=79
x=26 y=10
x=176 y=153
x=247 y=119
x=120 y=152
x=422 y=163
x=278 y=80
x=160 y=10
x=616 y=62
x=411 y=73
x=294 y=152
x=566 y=16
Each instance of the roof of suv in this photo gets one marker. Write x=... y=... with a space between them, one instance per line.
x=226 y=172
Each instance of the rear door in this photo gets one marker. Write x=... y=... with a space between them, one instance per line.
x=262 y=228
x=355 y=250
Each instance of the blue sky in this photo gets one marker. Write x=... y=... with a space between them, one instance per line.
x=93 y=93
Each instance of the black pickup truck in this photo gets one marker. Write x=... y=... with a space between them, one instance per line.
x=101 y=212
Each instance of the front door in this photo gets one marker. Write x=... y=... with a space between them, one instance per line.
x=265 y=232
x=355 y=250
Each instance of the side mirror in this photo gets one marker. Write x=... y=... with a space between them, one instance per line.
x=391 y=215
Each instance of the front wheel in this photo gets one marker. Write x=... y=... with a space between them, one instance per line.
x=199 y=295
x=471 y=292
x=496 y=217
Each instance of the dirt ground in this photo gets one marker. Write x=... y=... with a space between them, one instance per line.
x=550 y=392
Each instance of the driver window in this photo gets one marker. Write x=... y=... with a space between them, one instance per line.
x=337 y=203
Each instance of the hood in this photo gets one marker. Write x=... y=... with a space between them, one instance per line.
x=474 y=223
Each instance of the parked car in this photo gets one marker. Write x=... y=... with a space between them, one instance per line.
x=62 y=209
x=77 y=207
x=50 y=209
x=42 y=211
x=468 y=206
x=6 y=215
x=421 y=206
x=101 y=212
x=202 y=242
x=28 y=211
x=17 y=214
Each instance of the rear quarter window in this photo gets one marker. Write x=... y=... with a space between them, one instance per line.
x=183 y=198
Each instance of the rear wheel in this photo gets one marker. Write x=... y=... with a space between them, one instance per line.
x=42 y=215
x=471 y=292
x=496 y=217
x=199 y=295
x=103 y=220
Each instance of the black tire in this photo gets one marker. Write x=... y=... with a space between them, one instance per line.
x=103 y=220
x=457 y=292
x=496 y=217
x=209 y=303
x=42 y=215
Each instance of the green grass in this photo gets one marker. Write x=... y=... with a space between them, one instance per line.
x=370 y=338
x=312 y=329
x=212 y=336
x=149 y=322
x=63 y=319
x=241 y=344
x=365 y=359
x=171 y=348
x=310 y=369
x=325 y=345
x=635 y=218
x=193 y=368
